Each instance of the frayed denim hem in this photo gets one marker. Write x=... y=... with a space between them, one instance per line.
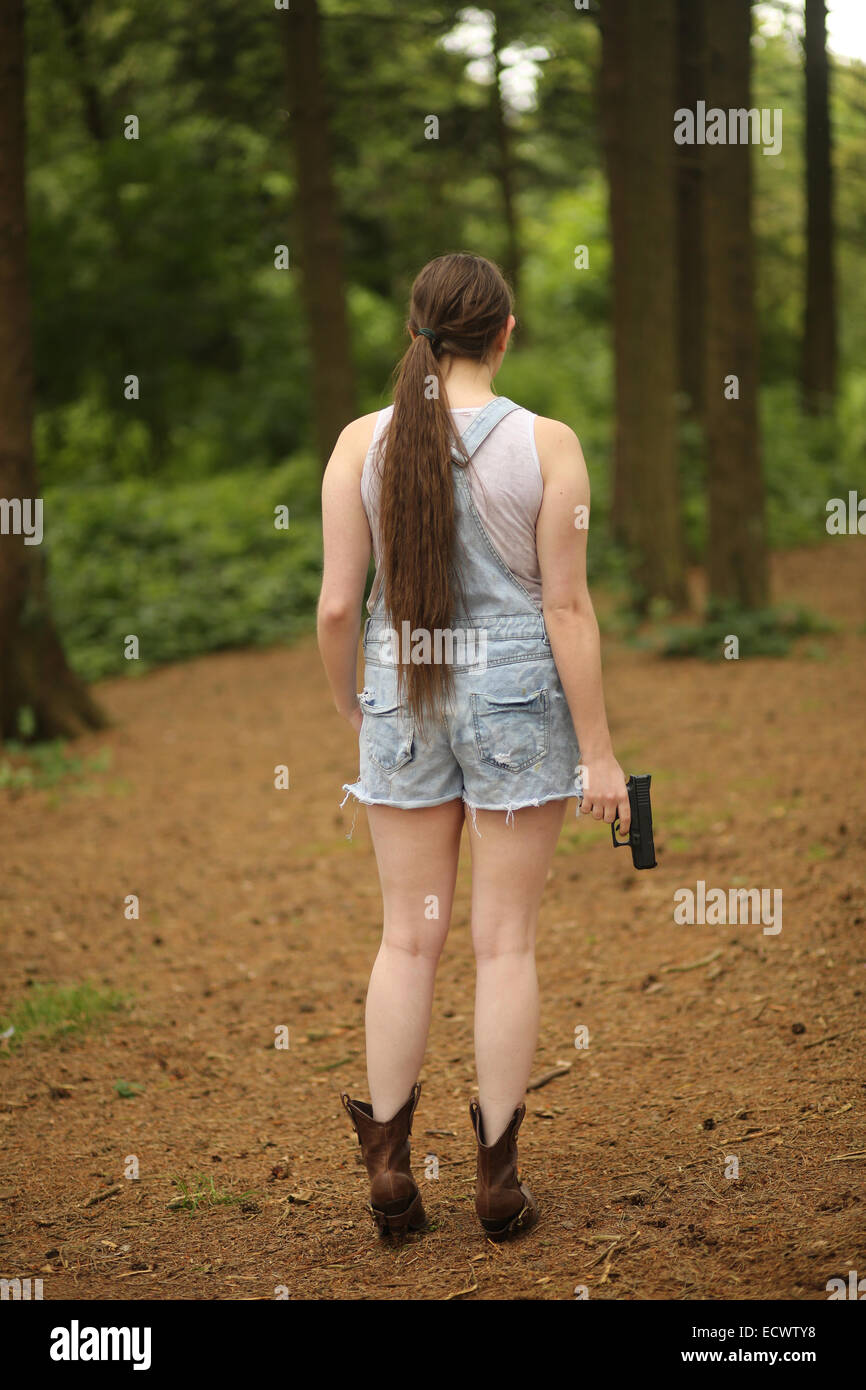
x=511 y=806
x=364 y=800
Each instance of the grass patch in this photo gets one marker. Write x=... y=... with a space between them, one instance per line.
x=202 y=1191
x=50 y=1012
x=31 y=766
x=27 y=765
x=128 y=1090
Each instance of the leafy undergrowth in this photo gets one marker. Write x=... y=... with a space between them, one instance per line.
x=29 y=766
x=765 y=632
x=184 y=568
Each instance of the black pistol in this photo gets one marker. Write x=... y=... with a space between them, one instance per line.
x=640 y=835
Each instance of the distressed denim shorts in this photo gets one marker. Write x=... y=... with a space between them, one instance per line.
x=506 y=739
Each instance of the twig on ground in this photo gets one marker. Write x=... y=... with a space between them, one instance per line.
x=458 y=1293
x=828 y=1037
x=694 y=965
x=101 y=1196
x=536 y=1082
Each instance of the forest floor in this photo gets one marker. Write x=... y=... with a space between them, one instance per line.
x=713 y=1049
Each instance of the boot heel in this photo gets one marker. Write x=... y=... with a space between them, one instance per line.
x=503 y=1230
x=399 y=1223
x=417 y=1215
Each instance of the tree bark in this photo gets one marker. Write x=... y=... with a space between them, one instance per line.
x=819 y=332
x=637 y=108
x=34 y=673
x=73 y=17
x=320 y=256
x=614 y=130
x=505 y=172
x=736 y=544
x=689 y=170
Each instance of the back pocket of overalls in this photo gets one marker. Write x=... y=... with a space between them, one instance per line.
x=387 y=732
x=512 y=731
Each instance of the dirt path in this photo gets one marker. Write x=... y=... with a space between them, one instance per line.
x=706 y=1042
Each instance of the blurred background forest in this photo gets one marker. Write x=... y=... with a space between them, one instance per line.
x=247 y=257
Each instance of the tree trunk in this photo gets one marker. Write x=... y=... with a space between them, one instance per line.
x=637 y=105
x=33 y=670
x=736 y=543
x=73 y=17
x=505 y=172
x=613 y=77
x=689 y=169
x=320 y=256
x=819 y=335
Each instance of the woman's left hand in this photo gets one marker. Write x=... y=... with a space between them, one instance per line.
x=356 y=718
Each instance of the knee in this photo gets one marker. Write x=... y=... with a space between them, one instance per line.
x=414 y=944
x=516 y=939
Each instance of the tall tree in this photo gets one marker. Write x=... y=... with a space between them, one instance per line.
x=34 y=673
x=73 y=17
x=736 y=544
x=819 y=334
x=689 y=171
x=321 y=252
x=505 y=165
x=637 y=87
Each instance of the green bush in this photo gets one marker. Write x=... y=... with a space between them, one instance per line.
x=767 y=632
x=187 y=568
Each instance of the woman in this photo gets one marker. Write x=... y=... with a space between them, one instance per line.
x=482 y=694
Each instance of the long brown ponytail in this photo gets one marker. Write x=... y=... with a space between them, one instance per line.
x=465 y=302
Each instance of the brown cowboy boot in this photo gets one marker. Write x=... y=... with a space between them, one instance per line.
x=505 y=1206
x=394 y=1197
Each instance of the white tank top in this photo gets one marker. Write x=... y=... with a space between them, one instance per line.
x=506 y=485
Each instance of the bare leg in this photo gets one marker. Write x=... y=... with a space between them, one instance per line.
x=509 y=869
x=417 y=853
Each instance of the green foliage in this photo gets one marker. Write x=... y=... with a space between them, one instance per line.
x=50 y=1012
x=808 y=460
x=766 y=632
x=187 y=568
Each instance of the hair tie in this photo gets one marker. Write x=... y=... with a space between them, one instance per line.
x=428 y=333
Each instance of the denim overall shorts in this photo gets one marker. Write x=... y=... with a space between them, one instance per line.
x=506 y=739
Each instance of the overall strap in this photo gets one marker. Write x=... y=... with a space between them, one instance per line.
x=486 y=420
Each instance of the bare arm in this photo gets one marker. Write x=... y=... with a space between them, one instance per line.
x=347 y=547
x=570 y=618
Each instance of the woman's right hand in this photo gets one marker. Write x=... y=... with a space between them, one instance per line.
x=604 y=792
